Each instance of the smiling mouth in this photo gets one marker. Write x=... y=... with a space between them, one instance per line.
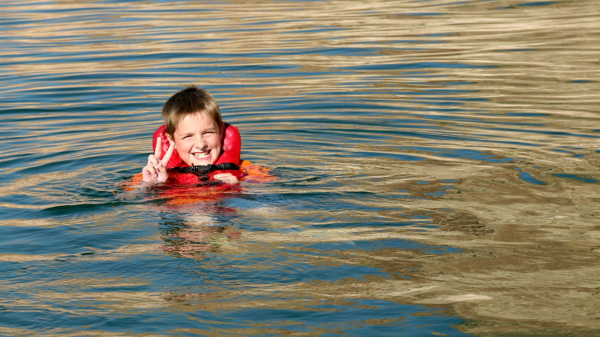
x=201 y=155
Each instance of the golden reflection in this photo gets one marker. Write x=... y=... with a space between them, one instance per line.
x=193 y=239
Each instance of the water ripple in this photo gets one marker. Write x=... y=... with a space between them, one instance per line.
x=427 y=154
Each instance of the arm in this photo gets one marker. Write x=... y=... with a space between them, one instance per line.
x=226 y=178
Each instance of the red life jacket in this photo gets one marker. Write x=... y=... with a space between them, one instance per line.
x=178 y=189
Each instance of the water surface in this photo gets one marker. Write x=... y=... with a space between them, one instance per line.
x=437 y=167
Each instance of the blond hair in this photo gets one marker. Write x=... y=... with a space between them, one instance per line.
x=187 y=102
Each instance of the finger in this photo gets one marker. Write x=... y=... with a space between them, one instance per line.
x=152 y=160
x=168 y=155
x=161 y=173
x=147 y=175
x=149 y=171
x=158 y=148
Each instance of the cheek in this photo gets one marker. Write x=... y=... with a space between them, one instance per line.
x=215 y=142
x=182 y=145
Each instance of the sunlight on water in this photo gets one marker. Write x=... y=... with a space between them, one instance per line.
x=436 y=163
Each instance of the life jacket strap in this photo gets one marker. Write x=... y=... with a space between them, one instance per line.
x=205 y=168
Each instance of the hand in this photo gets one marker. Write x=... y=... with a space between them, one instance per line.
x=226 y=178
x=156 y=170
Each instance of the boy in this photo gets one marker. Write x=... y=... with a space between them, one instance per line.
x=193 y=127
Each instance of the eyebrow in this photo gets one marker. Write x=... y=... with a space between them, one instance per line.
x=191 y=133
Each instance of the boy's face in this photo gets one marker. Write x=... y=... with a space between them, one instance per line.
x=197 y=140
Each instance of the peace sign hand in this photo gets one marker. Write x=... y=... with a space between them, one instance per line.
x=156 y=170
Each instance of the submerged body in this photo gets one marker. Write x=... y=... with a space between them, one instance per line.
x=186 y=188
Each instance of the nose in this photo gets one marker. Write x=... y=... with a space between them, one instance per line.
x=201 y=142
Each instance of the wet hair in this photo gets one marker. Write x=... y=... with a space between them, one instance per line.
x=190 y=101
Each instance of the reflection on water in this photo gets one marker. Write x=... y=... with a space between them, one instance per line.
x=437 y=168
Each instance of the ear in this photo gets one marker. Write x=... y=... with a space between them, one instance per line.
x=170 y=139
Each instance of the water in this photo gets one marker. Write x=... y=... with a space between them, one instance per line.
x=437 y=167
